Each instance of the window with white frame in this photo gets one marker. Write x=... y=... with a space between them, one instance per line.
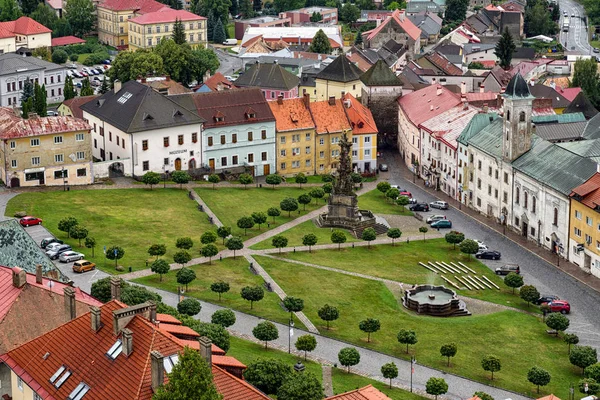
x=354 y=153
x=295 y=164
x=355 y=140
x=588 y=239
x=321 y=141
x=577 y=214
x=35 y=142
x=367 y=139
x=577 y=232
x=20 y=383
x=367 y=152
x=13 y=163
x=58 y=139
x=282 y=152
x=59 y=158
x=80 y=155
x=79 y=137
x=589 y=221
x=35 y=161
x=13 y=144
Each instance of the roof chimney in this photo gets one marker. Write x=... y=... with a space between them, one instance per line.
x=152 y=314
x=463 y=87
x=158 y=370
x=206 y=349
x=431 y=107
x=96 y=321
x=19 y=277
x=127 y=341
x=486 y=109
x=332 y=100
x=280 y=99
x=115 y=288
x=433 y=81
x=70 y=303
x=306 y=99
x=482 y=88
x=121 y=317
x=39 y=279
x=117 y=85
x=439 y=91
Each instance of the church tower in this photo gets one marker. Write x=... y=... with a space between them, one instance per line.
x=518 y=106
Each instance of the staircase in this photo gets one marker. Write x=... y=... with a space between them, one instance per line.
x=380 y=229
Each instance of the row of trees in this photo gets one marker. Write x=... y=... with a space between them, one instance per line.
x=33 y=99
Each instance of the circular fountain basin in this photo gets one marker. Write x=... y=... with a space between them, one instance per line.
x=433 y=300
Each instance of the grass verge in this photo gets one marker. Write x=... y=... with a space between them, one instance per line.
x=376 y=202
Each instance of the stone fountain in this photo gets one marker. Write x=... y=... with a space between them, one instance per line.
x=434 y=300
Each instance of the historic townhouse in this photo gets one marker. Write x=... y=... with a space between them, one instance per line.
x=364 y=135
x=141 y=130
x=147 y=30
x=47 y=151
x=338 y=78
x=23 y=32
x=584 y=232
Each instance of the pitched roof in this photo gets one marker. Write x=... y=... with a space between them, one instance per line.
x=443 y=64
x=218 y=82
x=546 y=92
x=588 y=193
x=517 y=87
x=569 y=93
x=268 y=76
x=329 y=118
x=427 y=103
x=165 y=15
x=140 y=6
x=10 y=62
x=233 y=388
x=380 y=75
x=24 y=26
x=75 y=104
x=448 y=125
x=14 y=126
x=340 y=70
x=560 y=131
x=66 y=40
x=137 y=107
x=400 y=19
x=360 y=117
x=476 y=125
x=165 y=85
x=358 y=58
x=366 y=393
x=488 y=139
x=291 y=114
x=558 y=118
x=232 y=105
x=581 y=104
x=17 y=302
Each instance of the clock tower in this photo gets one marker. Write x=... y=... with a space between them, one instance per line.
x=518 y=106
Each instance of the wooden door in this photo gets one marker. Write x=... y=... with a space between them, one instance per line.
x=266 y=169
x=211 y=164
x=178 y=164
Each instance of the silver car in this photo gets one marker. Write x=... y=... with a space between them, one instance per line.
x=434 y=218
x=69 y=256
x=57 y=251
x=52 y=246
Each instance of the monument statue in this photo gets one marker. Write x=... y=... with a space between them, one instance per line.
x=343 y=184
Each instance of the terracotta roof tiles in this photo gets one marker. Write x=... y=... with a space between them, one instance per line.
x=218 y=82
x=167 y=319
x=66 y=40
x=75 y=104
x=427 y=103
x=444 y=64
x=13 y=126
x=329 y=118
x=141 y=6
x=589 y=192
x=366 y=393
x=398 y=17
x=360 y=117
x=291 y=114
x=233 y=388
x=178 y=330
x=165 y=15
x=24 y=26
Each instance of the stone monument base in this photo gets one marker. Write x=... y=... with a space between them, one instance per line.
x=342 y=212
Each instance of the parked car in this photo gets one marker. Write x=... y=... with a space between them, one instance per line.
x=442 y=205
x=79 y=85
x=230 y=42
x=45 y=242
x=72 y=66
x=412 y=200
x=76 y=74
x=28 y=221
x=51 y=113
x=52 y=246
x=561 y=306
x=99 y=70
x=434 y=218
x=596 y=50
x=488 y=254
x=419 y=207
x=396 y=187
x=69 y=256
x=57 y=251
x=442 y=223
x=405 y=193
x=546 y=298
x=106 y=62
x=83 y=266
x=383 y=167
x=507 y=269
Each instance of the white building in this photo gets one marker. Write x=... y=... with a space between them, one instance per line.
x=23 y=32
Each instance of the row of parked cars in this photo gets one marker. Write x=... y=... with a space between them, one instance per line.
x=85 y=72
x=56 y=249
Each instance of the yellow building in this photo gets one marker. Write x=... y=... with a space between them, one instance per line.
x=330 y=122
x=295 y=136
x=584 y=226
x=146 y=31
x=338 y=78
x=47 y=151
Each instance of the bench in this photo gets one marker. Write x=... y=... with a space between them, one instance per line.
x=552 y=332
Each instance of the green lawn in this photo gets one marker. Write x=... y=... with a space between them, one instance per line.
x=237 y=274
x=344 y=382
x=518 y=339
x=131 y=218
x=400 y=263
x=376 y=202
x=232 y=203
x=295 y=234
x=83 y=57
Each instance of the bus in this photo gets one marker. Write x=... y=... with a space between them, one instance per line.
x=565 y=24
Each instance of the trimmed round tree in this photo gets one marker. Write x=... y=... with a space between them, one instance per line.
x=369 y=325
x=436 y=386
x=115 y=253
x=339 y=237
x=181 y=177
x=246 y=179
x=491 y=363
x=300 y=387
x=157 y=250
x=160 y=267
x=448 y=350
x=593 y=371
x=223 y=232
x=348 y=357
x=252 y=294
x=293 y=304
x=583 y=356
x=259 y=218
x=267 y=375
x=538 y=376
x=66 y=224
x=300 y=179
x=513 y=281
x=529 y=293
x=273 y=180
x=407 y=337
x=389 y=371
x=392 y=194
x=327 y=188
x=273 y=212
x=558 y=322
x=90 y=243
x=368 y=235
x=310 y=239
x=423 y=230
x=216 y=333
x=224 y=317
x=185 y=243
x=394 y=233
x=78 y=232
x=317 y=193
x=454 y=238
x=189 y=307
x=572 y=339
x=209 y=250
x=182 y=257
x=151 y=178
x=306 y=343
x=185 y=276
x=235 y=243
x=402 y=201
x=289 y=204
x=245 y=223
x=469 y=247
x=304 y=199
x=214 y=179
x=279 y=242
x=483 y=396
x=265 y=331
x=328 y=313
x=327 y=178
x=219 y=287
x=208 y=237
x=383 y=187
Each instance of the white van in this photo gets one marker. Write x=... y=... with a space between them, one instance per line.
x=230 y=42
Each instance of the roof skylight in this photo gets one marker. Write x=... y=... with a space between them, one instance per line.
x=79 y=392
x=115 y=350
x=170 y=362
x=123 y=99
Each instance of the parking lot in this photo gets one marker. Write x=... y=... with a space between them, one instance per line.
x=95 y=73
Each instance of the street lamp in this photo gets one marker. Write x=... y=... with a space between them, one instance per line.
x=413 y=361
x=165 y=172
x=290 y=334
x=64 y=181
x=299 y=367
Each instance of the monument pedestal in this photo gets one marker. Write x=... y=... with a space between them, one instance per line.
x=343 y=207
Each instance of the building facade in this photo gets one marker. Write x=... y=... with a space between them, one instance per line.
x=364 y=135
x=329 y=15
x=584 y=231
x=147 y=30
x=337 y=79
x=23 y=32
x=48 y=151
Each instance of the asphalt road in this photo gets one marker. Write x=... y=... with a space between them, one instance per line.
x=584 y=316
x=229 y=62
x=578 y=34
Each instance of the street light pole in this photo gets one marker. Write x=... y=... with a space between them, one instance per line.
x=64 y=182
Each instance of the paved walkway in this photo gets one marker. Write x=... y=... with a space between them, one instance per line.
x=211 y=215
x=5 y=196
x=327 y=381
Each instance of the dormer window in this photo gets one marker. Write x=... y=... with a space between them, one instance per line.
x=147 y=117
x=219 y=117
x=250 y=113
x=177 y=113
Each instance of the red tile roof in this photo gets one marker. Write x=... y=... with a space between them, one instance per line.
x=360 y=117
x=6 y=33
x=75 y=104
x=589 y=191
x=291 y=114
x=55 y=4
x=13 y=126
x=399 y=17
x=66 y=40
x=478 y=96
x=226 y=361
x=444 y=64
x=329 y=118
x=569 y=93
x=141 y=6
x=233 y=388
x=365 y=393
x=549 y=397
x=426 y=103
x=167 y=319
x=218 y=82
x=362 y=63
x=24 y=26
x=194 y=344
x=178 y=330
x=165 y=15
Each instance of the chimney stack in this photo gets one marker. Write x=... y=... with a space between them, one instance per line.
x=482 y=89
x=463 y=87
x=306 y=99
x=117 y=85
x=486 y=109
x=158 y=370
x=433 y=81
x=39 y=279
x=332 y=100
x=127 y=341
x=115 y=288
x=152 y=313
x=19 y=277
x=95 y=314
x=70 y=303
x=206 y=349
x=280 y=99
x=439 y=91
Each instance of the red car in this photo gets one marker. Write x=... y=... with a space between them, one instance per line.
x=406 y=193
x=560 y=306
x=28 y=221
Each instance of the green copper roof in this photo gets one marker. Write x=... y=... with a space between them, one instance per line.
x=380 y=75
x=478 y=122
x=489 y=139
x=559 y=118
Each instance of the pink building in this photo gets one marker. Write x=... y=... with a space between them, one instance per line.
x=302 y=15
x=272 y=79
x=242 y=24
